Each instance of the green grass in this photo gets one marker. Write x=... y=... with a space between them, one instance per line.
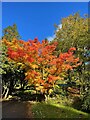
x=46 y=110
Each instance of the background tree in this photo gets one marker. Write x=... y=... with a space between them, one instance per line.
x=11 y=32
x=75 y=32
x=10 y=72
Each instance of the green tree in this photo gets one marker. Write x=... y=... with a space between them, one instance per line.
x=75 y=33
x=11 y=74
x=11 y=32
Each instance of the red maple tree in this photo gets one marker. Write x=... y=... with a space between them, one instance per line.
x=42 y=67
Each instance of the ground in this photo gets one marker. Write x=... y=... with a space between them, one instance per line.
x=27 y=109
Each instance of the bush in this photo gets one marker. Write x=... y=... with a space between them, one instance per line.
x=86 y=102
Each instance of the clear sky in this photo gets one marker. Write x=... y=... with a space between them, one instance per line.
x=37 y=19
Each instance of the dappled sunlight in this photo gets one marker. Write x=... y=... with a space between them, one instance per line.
x=43 y=110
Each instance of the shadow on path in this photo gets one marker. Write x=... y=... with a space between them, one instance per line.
x=16 y=109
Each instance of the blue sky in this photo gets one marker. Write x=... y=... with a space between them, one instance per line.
x=37 y=19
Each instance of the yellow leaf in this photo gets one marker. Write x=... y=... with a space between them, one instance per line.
x=34 y=66
x=37 y=84
x=50 y=91
x=19 y=63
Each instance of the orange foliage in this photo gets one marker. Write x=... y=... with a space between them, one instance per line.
x=43 y=68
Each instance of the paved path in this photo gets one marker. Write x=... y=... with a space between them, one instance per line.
x=16 y=109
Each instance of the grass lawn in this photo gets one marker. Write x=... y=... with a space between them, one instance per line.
x=49 y=110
